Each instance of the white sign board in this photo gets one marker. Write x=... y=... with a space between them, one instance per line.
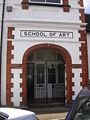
x=46 y=34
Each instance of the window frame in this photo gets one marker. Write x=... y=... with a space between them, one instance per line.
x=46 y=3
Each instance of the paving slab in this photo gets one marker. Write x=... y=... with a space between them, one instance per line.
x=54 y=116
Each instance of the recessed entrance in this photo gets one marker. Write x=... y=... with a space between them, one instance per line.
x=45 y=77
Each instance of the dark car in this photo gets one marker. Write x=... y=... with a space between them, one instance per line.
x=80 y=109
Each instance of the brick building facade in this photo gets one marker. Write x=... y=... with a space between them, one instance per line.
x=44 y=52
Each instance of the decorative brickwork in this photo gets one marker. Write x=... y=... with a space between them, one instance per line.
x=82 y=17
x=73 y=83
x=83 y=49
x=9 y=85
x=76 y=65
x=84 y=58
x=66 y=8
x=73 y=93
x=9 y=76
x=80 y=3
x=67 y=58
x=25 y=6
x=83 y=35
x=21 y=94
x=10 y=34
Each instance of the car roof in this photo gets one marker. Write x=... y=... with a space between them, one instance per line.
x=85 y=92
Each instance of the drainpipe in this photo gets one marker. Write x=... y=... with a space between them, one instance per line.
x=2 y=24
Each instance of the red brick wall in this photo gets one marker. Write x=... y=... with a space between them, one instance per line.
x=82 y=17
x=66 y=2
x=80 y=2
x=10 y=56
x=25 y=6
x=83 y=48
x=84 y=58
x=9 y=85
x=10 y=33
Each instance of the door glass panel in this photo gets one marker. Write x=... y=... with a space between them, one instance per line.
x=40 y=74
x=51 y=74
x=30 y=58
x=40 y=55
x=61 y=73
x=30 y=82
x=45 y=55
x=51 y=55
x=59 y=57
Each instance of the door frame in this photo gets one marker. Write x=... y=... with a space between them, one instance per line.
x=67 y=59
x=52 y=92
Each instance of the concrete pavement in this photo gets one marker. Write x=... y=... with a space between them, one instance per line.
x=51 y=112
x=54 y=116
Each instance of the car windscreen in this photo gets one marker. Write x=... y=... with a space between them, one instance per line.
x=81 y=110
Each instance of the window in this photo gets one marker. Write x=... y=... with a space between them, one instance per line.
x=40 y=74
x=61 y=73
x=47 y=1
x=51 y=74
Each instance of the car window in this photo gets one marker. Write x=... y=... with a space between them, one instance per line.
x=83 y=109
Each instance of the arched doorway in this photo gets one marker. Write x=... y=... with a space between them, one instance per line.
x=66 y=58
x=45 y=77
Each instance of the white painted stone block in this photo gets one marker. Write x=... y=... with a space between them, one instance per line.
x=16 y=80
x=76 y=79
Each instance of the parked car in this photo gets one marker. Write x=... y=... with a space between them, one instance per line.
x=16 y=114
x=80 y=109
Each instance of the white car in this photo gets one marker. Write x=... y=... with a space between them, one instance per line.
x=16 y=114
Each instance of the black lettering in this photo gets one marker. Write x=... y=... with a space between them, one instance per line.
x=41 y=34
x=64 y=34
x=60 y=35
x=54 y=34
x=25 y=33
x=33 y=33
x=50 y=34
x=37 y=33
x=67 y=34
x=29 y=33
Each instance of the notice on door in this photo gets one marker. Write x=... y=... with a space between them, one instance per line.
x=46 y=34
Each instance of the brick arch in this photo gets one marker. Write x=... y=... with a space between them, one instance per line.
x=67 y=58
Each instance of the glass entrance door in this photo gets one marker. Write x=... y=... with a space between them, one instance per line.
x=45 y=77
x=40 y=82
x=49 y=81
x=56 y=81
